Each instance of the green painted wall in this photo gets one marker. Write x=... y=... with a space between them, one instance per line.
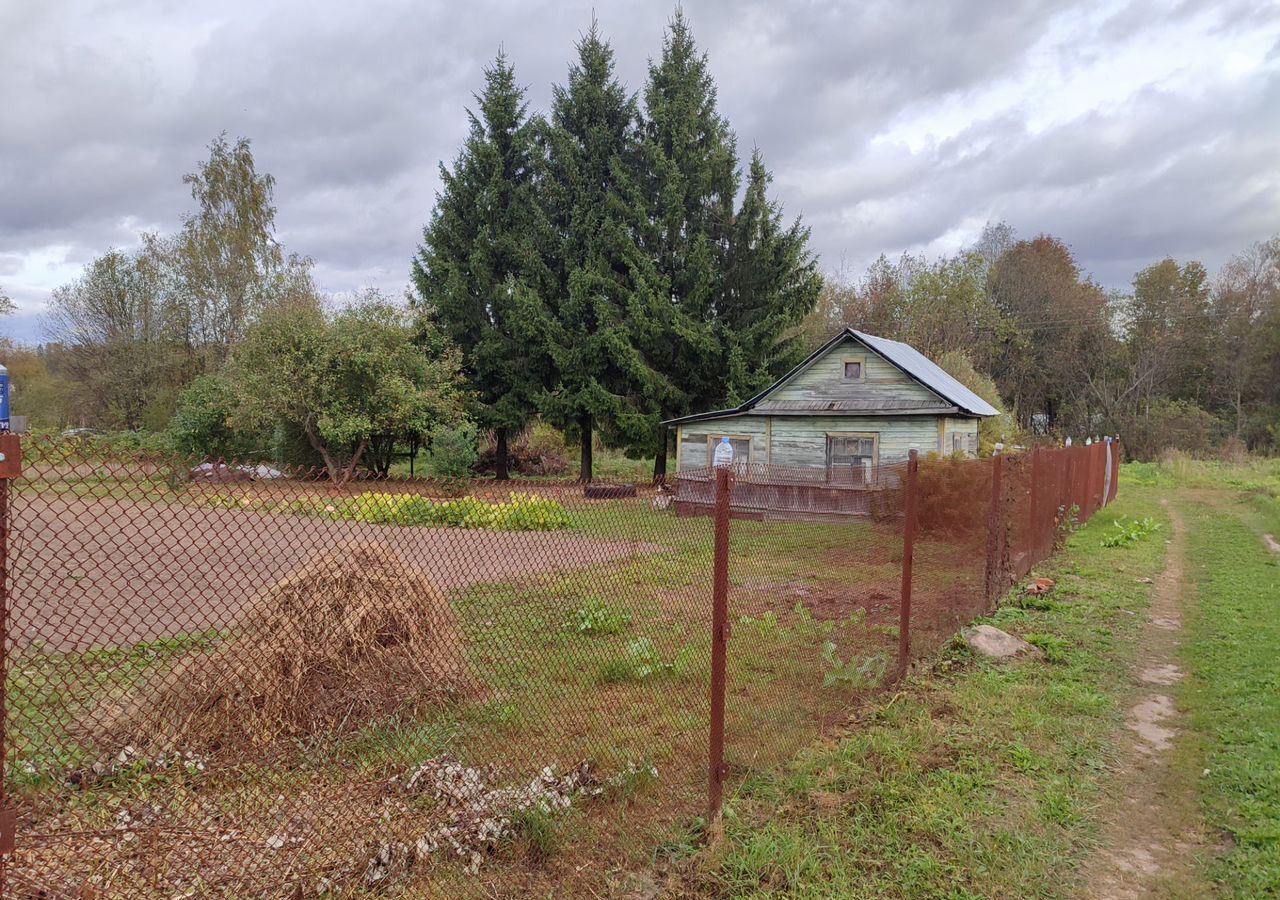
x=802 y=440
x=693 y=438
x=824 y=380
x=953 y=427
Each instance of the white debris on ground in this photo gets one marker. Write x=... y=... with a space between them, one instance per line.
x=476 y=816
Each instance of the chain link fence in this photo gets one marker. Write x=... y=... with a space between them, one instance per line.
x=231 y=681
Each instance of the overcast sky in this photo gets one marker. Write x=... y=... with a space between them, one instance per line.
x=1131 y=130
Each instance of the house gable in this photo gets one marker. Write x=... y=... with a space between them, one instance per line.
x=824 y=379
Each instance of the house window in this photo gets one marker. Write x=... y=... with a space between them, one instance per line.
x=851 y=457
x=853 y=369
x=740 y=443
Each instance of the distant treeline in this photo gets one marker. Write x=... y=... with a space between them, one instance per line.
x=1181 y=360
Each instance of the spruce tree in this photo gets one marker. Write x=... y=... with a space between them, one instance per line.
x=480 y=269
x=606 y=286
x=772 y=282
x=688 y=183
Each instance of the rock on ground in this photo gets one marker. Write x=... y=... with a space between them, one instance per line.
x=990 y=641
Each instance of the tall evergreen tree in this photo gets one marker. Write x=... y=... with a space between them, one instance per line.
x=606 y=285
x=688 y=183
x=480 y=267
x=771 y=284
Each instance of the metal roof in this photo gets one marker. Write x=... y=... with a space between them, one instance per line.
x=927 y=372
x=906 y=358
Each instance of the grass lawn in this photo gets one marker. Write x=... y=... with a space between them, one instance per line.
x=1234 y=692
x=988 y=779
x=978 y=778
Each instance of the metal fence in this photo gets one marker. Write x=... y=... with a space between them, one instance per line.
x=224 y=680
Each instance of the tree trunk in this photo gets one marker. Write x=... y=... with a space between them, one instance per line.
x=355 y=461
x=585 y=469
x=330 y=464
x=660 y=461
x=500 y=472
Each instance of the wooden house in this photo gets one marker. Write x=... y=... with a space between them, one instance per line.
x=857 y=404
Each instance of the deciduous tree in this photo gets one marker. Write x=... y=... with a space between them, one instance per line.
x=344 y=378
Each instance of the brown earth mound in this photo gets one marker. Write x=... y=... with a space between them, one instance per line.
x=345 y=639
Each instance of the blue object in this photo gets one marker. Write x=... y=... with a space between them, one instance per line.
x=4 y=399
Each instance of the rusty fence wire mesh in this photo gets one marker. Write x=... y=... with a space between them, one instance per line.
x=226 y=680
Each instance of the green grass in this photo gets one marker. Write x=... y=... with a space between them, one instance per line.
x=1234 y=691
x=978 y=779
x=1177 y=470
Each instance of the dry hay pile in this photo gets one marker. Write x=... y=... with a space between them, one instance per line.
x=347 y=638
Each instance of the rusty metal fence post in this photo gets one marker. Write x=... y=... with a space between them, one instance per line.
x=719 y=642
x=1034 y=542
x=10 y=468
x=908 y=551
x=995 y=527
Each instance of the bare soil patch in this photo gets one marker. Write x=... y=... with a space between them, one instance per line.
x=103 y=572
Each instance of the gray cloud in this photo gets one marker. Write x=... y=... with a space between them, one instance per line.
x=887 y=124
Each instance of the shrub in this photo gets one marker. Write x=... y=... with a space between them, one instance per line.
x=523 y=512
x=527 y=512
x=1169 y=424
x=538 y=450
x=453 y=451
x=953 y=496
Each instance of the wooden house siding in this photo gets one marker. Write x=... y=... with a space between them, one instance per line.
x=693 y=439
x=802 y=440
x=950 y=427
x=881 y=380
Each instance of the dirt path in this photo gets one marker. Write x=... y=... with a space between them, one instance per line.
x=1152 y=832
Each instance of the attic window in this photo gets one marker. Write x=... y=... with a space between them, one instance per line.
x=853 y=369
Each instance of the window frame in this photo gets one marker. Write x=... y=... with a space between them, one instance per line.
x=861 y=360
x=713 y=439
x=873 y=436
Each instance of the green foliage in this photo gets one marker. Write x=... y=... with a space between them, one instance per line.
x=993 y=429
x=1053 y=647
x=537 y=828
x=204 y=422
x=644 y=662
x=598 y=617
x=522 y=512
x=853 y=673
x=1128 y=532
x=480 y=271
x=345 y=378
x=1066 y=523
x=454 y=451
x=1173 y=424
x=633 y=780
